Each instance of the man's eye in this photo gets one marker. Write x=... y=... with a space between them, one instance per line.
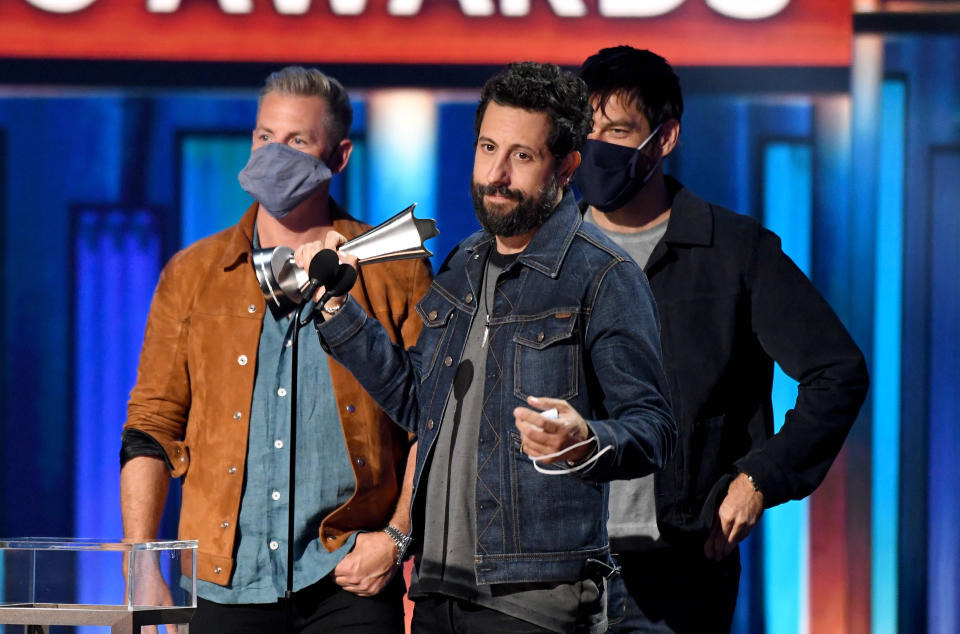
x=523 y=156
x=299 y=141
x=264 y=137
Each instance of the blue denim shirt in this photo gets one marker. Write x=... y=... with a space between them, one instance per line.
x=325 y=479
x=584 y=328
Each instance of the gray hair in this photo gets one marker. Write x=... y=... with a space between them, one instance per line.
x=311 y=82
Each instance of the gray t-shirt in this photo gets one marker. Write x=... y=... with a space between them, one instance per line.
x=633 y=509
x=446 y=565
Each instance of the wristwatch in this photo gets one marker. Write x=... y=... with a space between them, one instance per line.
x=401 y=540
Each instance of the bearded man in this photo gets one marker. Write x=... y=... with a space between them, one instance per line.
x=536 y=379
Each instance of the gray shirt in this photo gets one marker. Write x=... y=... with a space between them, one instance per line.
x=446 y=565
x=633 y=509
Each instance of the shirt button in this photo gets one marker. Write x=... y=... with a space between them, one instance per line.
x=232 y=470
x=217 y=570
x=251 y=308
x=287 y=343
x=433 y=315
x=275 y=495
x=330 y=538
x=282 y=392
x=351 y=408
x=242 y=359
x=430 y=424
x=360 y=461
x=237 y=415
x=448 y=361
x=274 y=545
x=278 y=444
x=468 y=298
x=224 y=524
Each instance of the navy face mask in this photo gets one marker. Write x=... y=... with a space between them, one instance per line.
x=280 y=177
x=610 y=175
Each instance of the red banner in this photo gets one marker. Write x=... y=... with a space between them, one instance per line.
x=686 y=32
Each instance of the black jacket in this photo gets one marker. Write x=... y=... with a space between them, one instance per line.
x=731 y=302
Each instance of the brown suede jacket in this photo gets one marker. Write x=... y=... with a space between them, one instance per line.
x=195 y=385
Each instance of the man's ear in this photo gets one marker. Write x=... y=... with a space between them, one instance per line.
x=568 y=165
x=669 y=136
x=340 y=156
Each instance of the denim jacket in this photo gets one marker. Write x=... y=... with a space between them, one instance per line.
x=585 y=329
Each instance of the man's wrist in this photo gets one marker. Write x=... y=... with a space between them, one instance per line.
x=590 y=451
x=332 y=309
x=401 y=542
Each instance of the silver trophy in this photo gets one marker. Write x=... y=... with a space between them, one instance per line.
x=399 y=238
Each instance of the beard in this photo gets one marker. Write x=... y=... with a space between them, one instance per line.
x=529 y=212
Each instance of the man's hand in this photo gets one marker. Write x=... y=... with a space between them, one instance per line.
x=149 y=587
x=369 y=567
x=541 y=436
x=738 y=514
x=304 y=253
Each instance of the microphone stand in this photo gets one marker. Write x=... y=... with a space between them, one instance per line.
x=295 y=362
x=342 y=281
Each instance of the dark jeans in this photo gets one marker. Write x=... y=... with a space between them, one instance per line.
x=323 y=607
x=667 y=590
x=438 y=614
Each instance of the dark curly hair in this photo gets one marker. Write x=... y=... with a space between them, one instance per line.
x=542 y=88
x=638 y=76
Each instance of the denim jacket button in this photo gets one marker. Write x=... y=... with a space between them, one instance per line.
x=468 y=298
x=430 y=424
x=448 y=361
x=433 y=315
x=540 y=337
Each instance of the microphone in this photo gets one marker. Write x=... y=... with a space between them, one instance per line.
x=343 y=281
x=324 y=266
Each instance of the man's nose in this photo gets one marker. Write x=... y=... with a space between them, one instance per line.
x=498 y=173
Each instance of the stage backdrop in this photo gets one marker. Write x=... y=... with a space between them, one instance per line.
x=688 y=32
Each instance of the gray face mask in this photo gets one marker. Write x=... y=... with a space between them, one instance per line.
x=280 y=177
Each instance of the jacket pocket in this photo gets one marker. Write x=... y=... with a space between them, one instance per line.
x=435 y=310
x=547 y=357
x=552 y=514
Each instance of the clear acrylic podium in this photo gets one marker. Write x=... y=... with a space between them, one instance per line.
x=51 y=582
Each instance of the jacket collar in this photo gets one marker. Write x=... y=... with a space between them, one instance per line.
x=691 y=219
x=240 y=237
x=549 y=244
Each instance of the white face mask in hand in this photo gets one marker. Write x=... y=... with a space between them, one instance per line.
x=552 y=414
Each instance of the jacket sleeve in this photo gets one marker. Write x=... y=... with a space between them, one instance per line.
x=386 y=371
x=798 y=329
x=160 y=398
x=623 y=343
